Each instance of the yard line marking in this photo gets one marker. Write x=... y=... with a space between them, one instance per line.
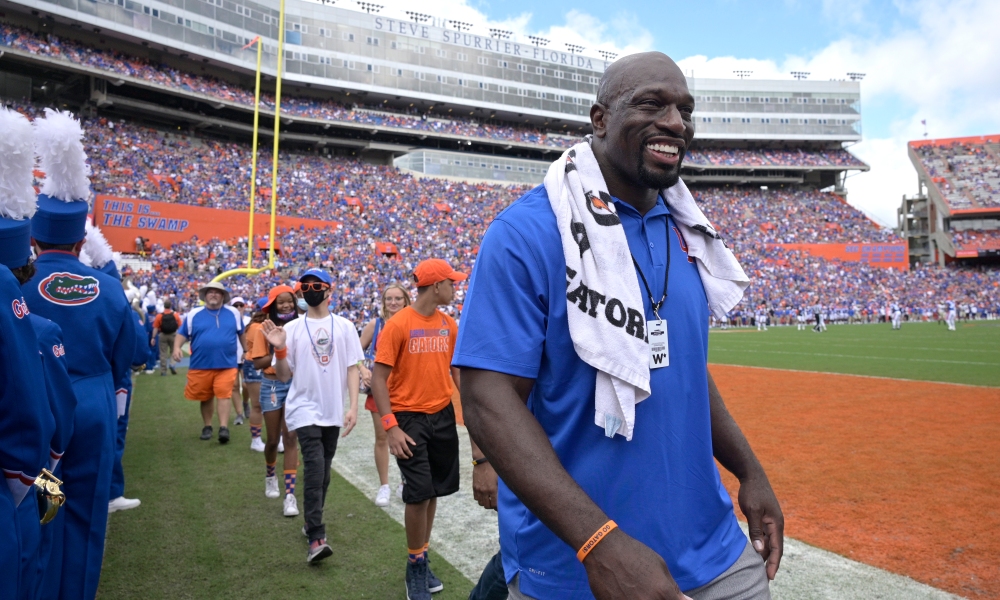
x=972 y=385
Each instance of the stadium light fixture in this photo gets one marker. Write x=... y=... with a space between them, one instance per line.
x=460 y=25
x=856 y=76
x=800 y=75
x=574 y=48
x=418 y=16
x=370 y=7
x=502 y=34
x=608 y=56
x=743 y=74
x=538 y=41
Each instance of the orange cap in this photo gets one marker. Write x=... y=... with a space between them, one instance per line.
x=274 y=293
x=433 y=270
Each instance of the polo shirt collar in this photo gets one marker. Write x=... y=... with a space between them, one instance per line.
x=658 y=210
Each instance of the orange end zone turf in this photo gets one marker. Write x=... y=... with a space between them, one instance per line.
x=901 y=475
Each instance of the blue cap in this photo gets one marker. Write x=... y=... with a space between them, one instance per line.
x=58 y=222
x=318 y=274
x=261 y=303
x=15 y=242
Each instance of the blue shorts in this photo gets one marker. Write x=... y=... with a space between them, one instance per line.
x=272 y=394
x=250 y=374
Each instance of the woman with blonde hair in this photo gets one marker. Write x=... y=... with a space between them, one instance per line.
x=394 y=298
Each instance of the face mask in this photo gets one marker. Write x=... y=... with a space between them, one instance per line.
x=301 y=303
x=313 y=298
x=286 y=316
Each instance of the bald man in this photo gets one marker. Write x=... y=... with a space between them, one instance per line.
x=651 y=511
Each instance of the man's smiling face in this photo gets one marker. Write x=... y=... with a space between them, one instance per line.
x=647 y=124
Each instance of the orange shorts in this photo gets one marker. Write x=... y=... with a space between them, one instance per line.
x=205 y=384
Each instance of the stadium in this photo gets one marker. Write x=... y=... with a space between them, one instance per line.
x=386 y=137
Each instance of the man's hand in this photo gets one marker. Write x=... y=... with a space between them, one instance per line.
x=366 y=376
x=767 y=524
x=350 y=420
x=152 y=341
x=623 y=567
x=484 y=485
x=177 y=356
x=399 y=443
x=274 y=334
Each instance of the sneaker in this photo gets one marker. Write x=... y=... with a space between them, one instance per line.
x=206 y=432
x=382 y=498
x=434 y=584
x=149 y=371
x=416 y=581
x=163 y=373
x=281 y=446
x=318 y=550
x=122 y=503
x=257 y=444
x=173 y=371
x=239 y=420
x=291 y=506
x=223 y=435
x=271 y=487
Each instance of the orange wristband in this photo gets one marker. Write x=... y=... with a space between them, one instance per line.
x=389 y=421
x=595 y=539
x=281 y=353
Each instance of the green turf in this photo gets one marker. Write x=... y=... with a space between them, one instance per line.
x=922 y=351
x=205 y=529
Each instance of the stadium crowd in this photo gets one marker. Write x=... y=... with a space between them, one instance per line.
x=424 y=217
x=121 y=64
x=721 y=157
x=973 y=239
x=966 y=174
x=130 y=66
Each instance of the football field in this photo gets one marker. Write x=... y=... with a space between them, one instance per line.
x=886 y=471
x=919 y=351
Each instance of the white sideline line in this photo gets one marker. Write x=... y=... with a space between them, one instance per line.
x=466 y=536
x=986 y=387
x=930 y=360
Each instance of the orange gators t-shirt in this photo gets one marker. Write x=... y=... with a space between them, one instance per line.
x=259 y=347
x=419 y=350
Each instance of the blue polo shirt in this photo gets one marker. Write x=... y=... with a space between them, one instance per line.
x=662 y=487
x=214 y=336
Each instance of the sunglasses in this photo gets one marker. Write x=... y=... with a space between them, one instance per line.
x=315 y=286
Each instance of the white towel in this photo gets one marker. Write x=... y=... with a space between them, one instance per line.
x=608 y=325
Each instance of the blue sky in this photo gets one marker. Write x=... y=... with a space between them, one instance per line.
x=937 y=60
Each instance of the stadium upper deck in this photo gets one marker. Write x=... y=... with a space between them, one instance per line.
x=407 y=60
x=957 y=213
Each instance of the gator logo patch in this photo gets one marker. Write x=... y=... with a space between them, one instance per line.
x=20 y=308
x=69 y=289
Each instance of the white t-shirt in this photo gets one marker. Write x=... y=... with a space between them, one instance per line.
x=319 y=359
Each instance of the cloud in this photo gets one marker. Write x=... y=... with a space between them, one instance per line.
x=943 y=67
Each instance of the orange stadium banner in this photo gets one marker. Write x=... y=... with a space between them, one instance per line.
x=886 y=256
x=124 y=219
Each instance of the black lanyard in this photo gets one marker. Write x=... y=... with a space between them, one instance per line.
x=666 y=277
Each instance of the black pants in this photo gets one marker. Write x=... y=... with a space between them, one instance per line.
x=318 y=445
x=492 y=584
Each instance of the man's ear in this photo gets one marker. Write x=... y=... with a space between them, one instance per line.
x=599 y=119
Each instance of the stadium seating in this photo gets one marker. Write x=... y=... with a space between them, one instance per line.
x=967 y=175
x=787 y=216
x=972 y=240
x=133 y=161
x=121 y=64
